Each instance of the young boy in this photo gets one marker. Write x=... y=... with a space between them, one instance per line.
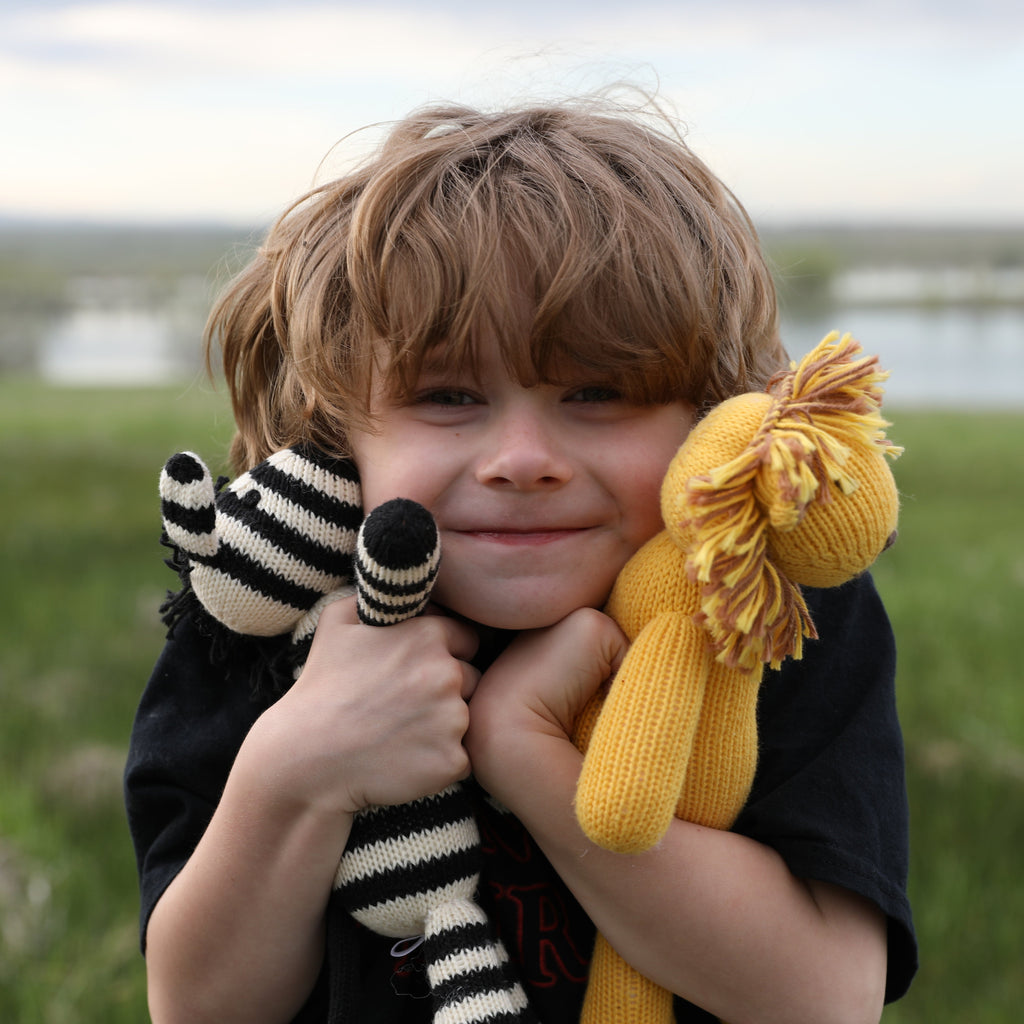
x=513 y=319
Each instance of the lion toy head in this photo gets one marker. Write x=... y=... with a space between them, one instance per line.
x=780 y=489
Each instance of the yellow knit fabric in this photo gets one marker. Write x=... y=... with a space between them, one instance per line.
x=618 y=993
x=769 y=492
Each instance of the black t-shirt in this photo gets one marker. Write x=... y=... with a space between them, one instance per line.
x=829 y=797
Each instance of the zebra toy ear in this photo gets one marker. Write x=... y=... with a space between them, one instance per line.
x=187 y=505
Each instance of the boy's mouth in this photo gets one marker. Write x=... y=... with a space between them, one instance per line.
x=523 y=536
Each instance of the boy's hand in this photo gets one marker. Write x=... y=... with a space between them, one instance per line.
x=378 y=714
x=536 y=688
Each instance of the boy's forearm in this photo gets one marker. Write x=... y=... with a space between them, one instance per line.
x=376 y=717
x=238 y=935
x=710 y=915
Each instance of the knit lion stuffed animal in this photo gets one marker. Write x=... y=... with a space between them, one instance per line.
x=264 y=556
x=769 y=492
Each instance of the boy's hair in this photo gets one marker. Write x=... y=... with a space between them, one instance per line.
x=576 y=234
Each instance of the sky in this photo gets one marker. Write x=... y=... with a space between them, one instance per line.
x=812 y=111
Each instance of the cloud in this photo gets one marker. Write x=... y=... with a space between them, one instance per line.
x=409 y=39
x=171 y=40
x=206 y=108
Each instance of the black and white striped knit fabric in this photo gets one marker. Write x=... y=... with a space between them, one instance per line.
x=267 y=547
x=396 y=560
x=413 y=870
x=266 y=554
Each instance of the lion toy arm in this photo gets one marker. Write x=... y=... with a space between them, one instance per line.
x=769 y=492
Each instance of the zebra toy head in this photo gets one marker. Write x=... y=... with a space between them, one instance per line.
x=267 y=550
x=263 y=550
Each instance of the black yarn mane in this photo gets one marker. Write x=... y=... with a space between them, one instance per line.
x=273 y=664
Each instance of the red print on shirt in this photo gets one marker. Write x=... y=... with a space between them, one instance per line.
x=536 y=917
x=540 y=942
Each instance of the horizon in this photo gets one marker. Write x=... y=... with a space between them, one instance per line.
x=12 y=220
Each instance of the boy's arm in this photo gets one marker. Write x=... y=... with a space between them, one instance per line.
x=378 y=716
x=238 y=934
x=711 y=915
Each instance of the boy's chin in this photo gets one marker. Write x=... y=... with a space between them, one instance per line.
x=520 y=602
x=529 y=615
x=516 y=623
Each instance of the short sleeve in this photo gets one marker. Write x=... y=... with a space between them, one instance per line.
x=190 y=723
x=830 y=791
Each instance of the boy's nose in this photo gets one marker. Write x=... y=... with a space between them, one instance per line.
x=524 y=453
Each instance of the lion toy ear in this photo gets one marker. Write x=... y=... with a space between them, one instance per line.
x=797 y=491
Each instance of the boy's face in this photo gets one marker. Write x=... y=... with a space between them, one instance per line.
x=541 y=494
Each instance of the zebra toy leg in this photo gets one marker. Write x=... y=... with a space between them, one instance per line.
x=396 y=561
x=413 y=869
x=468 y=969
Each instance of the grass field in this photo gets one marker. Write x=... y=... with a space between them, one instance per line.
x=83 y=576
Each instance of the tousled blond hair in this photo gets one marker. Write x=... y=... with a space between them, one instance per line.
x=574 y=233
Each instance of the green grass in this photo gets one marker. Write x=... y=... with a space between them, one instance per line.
x=82 y=580
x=954 y=586
x=83 y=576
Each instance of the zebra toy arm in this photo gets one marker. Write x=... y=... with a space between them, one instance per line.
x=265 y=555
x=412 y=870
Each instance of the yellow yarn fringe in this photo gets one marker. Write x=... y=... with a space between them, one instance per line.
x=825 y=406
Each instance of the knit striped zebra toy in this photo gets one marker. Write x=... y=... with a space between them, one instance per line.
x=265 y=555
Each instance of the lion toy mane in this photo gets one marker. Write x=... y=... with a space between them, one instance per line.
x=770 y=491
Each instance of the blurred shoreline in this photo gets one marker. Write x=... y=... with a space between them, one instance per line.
x=95 y=304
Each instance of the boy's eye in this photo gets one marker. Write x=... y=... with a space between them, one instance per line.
x=445 y=396
x=595 y=393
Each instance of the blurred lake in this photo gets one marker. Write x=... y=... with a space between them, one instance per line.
x=950 y=357
x=117 y=332
x=951 y=334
